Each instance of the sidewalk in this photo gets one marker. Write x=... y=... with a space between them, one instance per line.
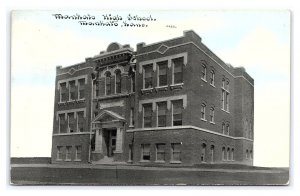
x=152 y=168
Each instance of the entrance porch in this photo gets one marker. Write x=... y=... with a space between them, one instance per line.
x=109 y=136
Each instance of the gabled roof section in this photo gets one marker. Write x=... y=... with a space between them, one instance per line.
x=106 y=116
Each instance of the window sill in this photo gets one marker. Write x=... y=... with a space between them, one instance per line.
x=59 y=160
x=175 y=162
x=131 y=126
x=147 y=90
x=212 y=122
x=203 y=119
x=77 y=160
x=158 y=161
x=129 y=161
x=225 y=111
x=176 y=86
x=213 y=85
x=71 y=102
x=161 y=88
x=203 y=79
x=68 y=160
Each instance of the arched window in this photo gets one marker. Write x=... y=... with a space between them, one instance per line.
x=118 y=81
x=228 y=154
x=212 y=153
x=227 y=129
x=108 y=83
x=232 y=154
x=251 y=155
x=247 y=154
x=203 y=153
x=223 y=128
x=223 y=153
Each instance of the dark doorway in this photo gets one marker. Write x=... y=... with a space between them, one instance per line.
x=110 y=141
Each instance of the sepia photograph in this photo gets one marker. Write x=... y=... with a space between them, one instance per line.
x=150 y=98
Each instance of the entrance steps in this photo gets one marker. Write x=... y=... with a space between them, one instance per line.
x=107 y=161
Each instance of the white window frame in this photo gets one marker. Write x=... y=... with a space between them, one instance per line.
x=75 y=81
x=203 y=113
x=204 y=72
x=172 y=153
x=212 y=115
x=212 y=153
x=78 y=90
x=116 y=81
x=173 y=68
x=223 y=153
x=172 y=108
x=143 y=106
x=157 y=103
x=157 y=75
x=131 y=124
x=68 y=153
x=227 y=129
x=143 y=151
x=144 y=74
x=212 y=78
x=163 y=151
x=59 y=153
x=76 y=153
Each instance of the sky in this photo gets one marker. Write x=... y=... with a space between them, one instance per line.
x=256 y=40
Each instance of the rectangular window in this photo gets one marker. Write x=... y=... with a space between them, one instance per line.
x=177 y=107
x=147 y=115
x=72 y=90
x=148 y=69
x=131 y=117
x=80 y=121
x=160 y=152
x=203 y=107
x=62 y=123
x=178 y=70
x=59 y=155
x=212 y=115
x=212 y=78
x=78 y=153
x=162 y=73
x=63 y=92
x=161 y=114
x=227 y=102
x=145 y=152
x=68 y=153
x=175 y=151
x=81 y=88
x=203 y=73
x=223 y=99
x=71 y=123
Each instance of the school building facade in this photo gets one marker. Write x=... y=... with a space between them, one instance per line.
x=170 y=102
